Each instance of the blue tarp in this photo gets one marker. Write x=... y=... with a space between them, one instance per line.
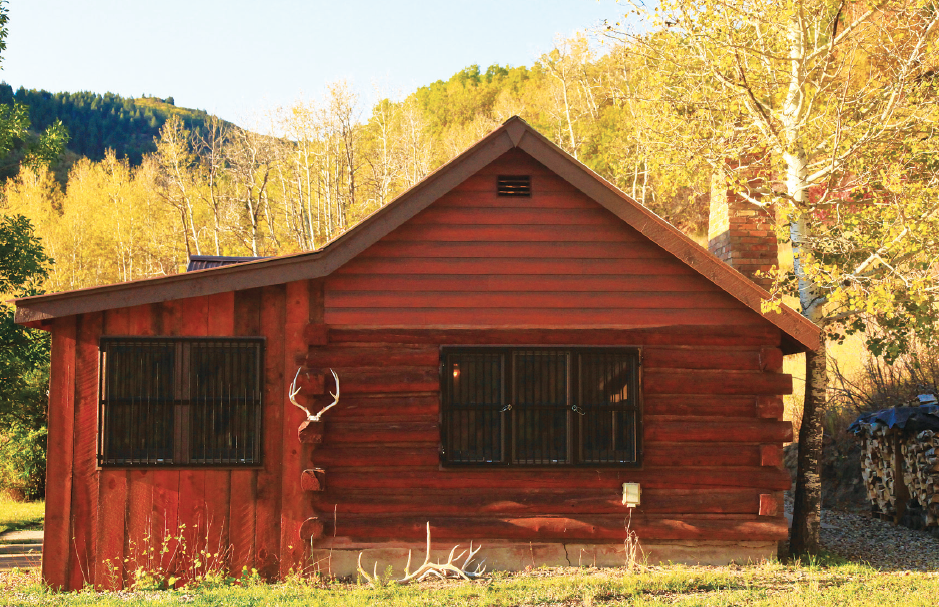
x=911 y=419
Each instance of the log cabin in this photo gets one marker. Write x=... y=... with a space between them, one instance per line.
x=516 y=342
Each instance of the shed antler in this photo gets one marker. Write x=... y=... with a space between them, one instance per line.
x=442 y=571
x=294 y=390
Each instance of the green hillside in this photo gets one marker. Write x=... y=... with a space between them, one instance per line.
x=98 y=122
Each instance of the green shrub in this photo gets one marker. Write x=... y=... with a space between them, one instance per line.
x=23 y=459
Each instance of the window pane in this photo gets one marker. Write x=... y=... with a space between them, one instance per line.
x=608 y=423
x=541 y=378
x=225 y=402
x=541 y=436
x=180 y=401
x=541 y=404
x=474 y=420
x=138 y=408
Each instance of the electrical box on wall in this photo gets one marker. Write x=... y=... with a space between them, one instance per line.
x=631 y=494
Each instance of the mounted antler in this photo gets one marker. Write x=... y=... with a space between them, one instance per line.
x=442 y=571
x=294 y=390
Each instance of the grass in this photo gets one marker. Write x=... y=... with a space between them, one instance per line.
x=15 y=516
x=771 y=584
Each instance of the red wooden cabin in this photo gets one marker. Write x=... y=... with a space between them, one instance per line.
x=514 y=338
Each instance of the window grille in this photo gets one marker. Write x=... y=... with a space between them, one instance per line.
x=168 y=401
x=514 y=185
x=541 y=406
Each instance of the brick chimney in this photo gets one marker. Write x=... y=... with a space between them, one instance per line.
x=742 y=233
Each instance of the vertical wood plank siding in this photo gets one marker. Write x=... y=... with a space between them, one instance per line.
x=140 y=494
x=192 y=516
x=112 y=493
x=473 y=268
x=111 y=513
x=268 y=495
x=84 y=513
x=295 y=507
x=221 y=322
x=247 y=321
x=55 y=557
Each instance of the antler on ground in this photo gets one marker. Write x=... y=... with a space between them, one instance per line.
x=294 y=390
x=442 y=571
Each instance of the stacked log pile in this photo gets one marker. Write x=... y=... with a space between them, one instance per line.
x=877 y=469
x=921 y=472
x=900 y=462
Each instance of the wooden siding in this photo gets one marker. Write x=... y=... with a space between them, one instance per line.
x=557 y=259
x=555 y=269
x=702 y=474
x=100 y=519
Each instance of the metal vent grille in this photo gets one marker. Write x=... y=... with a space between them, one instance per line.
x=514 y=185
x=180 y=401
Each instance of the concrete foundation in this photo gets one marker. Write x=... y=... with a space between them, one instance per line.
x=341 y=558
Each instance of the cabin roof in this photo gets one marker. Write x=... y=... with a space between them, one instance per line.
x=800 y=334
x=205 y=262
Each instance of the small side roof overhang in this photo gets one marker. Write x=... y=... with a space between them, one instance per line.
x=206 y=262
x=799 y=333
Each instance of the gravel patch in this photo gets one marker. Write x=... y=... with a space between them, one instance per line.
x=879 y=543
x=882 y=544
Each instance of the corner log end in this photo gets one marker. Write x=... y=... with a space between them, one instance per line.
x=313 y=480
x=312 y=529
x=310 y=432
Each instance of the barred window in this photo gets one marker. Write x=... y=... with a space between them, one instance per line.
x=541 y=406
x=172 y=401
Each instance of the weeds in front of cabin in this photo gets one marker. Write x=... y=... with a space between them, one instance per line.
x=176 y=559
x=635 y=557
x=822 y=581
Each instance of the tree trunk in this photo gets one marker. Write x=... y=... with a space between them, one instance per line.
x=804 y=535
x=806 y=512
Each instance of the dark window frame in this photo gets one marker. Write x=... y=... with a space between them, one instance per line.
x=575 y=423
x=177 y=427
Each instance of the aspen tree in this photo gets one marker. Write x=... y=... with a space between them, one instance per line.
x=176 y=159
x=815 y=90
x=250 y=161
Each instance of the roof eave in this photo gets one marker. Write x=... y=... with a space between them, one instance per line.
x=799 y=333
x=273 y=270
x=801 y=330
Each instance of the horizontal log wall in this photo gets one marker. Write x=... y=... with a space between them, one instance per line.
x=711 y=424
x=553 y=269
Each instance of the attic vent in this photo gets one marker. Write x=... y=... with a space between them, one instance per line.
x=514 y=185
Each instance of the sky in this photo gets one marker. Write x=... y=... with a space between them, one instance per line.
x=237 y=58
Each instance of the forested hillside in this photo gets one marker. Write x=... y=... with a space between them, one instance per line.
x=178 y=182
x=98 y=122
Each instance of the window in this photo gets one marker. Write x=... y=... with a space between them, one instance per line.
x=541 y=406
x=168 y=401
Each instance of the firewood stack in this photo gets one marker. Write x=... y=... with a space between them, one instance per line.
x=921 y=472
x=877 y=467
x=907 y=437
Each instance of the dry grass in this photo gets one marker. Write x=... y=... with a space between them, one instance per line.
x=824 y=582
